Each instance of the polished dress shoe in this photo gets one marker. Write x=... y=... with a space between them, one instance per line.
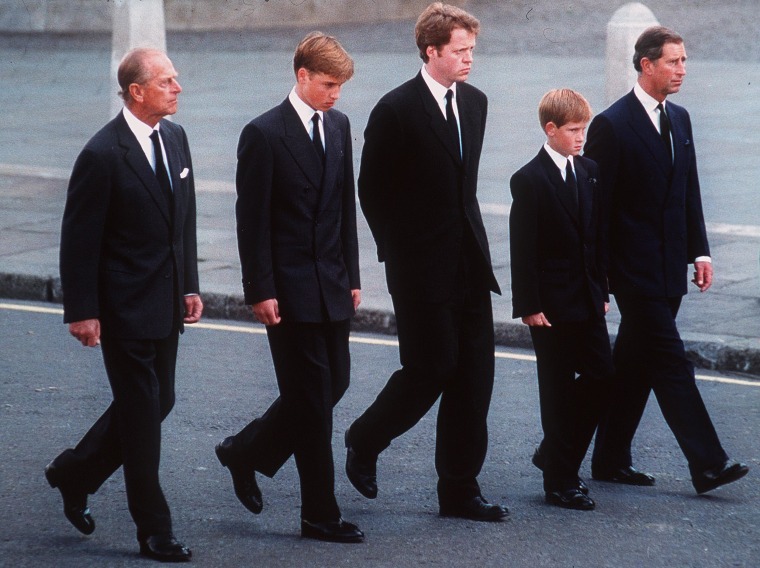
x=539 y=460
x=243 y=479
x=626 y=475
x=717 y=476
x=74 y=501
x=361 y=471
x=164 y=548
x=475 y=509
x=571 y=499
x=331 y=531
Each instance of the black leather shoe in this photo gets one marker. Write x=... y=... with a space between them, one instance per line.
x=243 y=479
x=474 y=509
x=626 y=475
x=361 y=471
x=164 y=548
x=539 y=461
x=331 y=531
x=74 y=502
x=715 y=477
x=570 y=499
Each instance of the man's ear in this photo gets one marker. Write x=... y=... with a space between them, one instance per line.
x=136 y=92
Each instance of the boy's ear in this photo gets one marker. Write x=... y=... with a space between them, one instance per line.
x=550 y=129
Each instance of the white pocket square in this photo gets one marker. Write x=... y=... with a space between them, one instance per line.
x=183 y=173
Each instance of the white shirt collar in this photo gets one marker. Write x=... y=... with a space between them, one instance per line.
x=650 y=104
x=305 y=112
x=439 y=91
x=142 y=132
x=560 y=160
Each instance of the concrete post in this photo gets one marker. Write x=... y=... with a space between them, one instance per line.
x=623 y=29
x=136 y=23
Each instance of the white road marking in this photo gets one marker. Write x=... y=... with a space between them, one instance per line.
x=258 y=330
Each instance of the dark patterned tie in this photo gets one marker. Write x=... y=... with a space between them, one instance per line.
x=571 y=182
x=665 y=131
x=161 y=173
x=316 y=138
x=451 y=120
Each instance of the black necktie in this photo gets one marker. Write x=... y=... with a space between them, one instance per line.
x=571 y=182
x=316 y=138
x=665 y=131
x=161 y=174
x=452 y=121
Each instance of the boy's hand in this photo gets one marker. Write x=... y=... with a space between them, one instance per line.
x=536 y=320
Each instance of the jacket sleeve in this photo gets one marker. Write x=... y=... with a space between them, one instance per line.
x=253 y=214
x=82 y=233
x=382 y=139
x=523 y=244
x=349 y=238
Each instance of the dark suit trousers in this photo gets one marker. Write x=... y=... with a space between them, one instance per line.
x=141 y=374
x=574 y=364
x=313 y=365
x=649 y=355
x=447 y=351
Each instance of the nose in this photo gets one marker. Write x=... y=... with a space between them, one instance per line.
x=177 y=87
x=335 y=94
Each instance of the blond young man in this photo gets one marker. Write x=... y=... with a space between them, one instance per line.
x=296 y=226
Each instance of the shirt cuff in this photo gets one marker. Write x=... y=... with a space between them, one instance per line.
x=703 y=259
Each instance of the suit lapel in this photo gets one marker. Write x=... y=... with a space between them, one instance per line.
x=298 y=143
x=333 y=156
x=135 y=158
x=172 y=144
x=436 y=118
x=585 y=194
x=641 y=124
x=558 y=185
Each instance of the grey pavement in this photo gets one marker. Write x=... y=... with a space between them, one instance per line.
x=55 y=95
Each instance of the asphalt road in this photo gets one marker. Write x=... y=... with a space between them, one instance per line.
x=52 y=389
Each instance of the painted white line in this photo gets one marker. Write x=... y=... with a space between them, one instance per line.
x=256 y=330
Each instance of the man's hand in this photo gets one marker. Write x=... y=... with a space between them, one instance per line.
x=356 y=296
x=606 y=308
x=703 y=275
x=193 y=308
x=86 y=331
x=536 y=320
x=267 y=312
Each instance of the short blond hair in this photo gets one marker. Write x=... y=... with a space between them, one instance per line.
x=561 y=106
x=321 y=53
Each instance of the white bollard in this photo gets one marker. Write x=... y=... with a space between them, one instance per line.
x=623 y=29
x=136 y=23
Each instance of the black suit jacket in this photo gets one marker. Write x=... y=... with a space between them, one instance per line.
x=296 y=224
x=418 y=195
x=558 y=247
x=128 y=256
x=656 y=223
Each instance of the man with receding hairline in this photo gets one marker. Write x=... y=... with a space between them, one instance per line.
x=130 y=281
x=644 y=146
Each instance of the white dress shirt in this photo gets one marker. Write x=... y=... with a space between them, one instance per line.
x=560 y=160
x=305 y=113
x=439 y=94
x=142 y=132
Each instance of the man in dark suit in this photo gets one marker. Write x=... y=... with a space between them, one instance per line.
x=296 y=225
x=645 y=150
x=417 y=189
x=559 y=288
x=130 y=280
